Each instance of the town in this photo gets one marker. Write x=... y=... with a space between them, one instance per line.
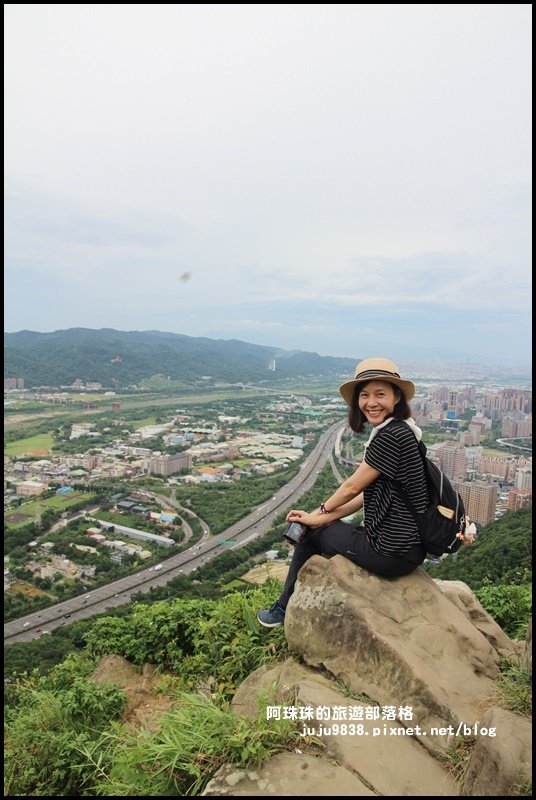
x=89 y=501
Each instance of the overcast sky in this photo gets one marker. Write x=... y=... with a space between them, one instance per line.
x=352 y=179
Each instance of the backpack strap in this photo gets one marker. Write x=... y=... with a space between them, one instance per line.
x=404 y=496
x=402 y=492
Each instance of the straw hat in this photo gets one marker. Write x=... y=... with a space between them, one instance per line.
x=380 y=369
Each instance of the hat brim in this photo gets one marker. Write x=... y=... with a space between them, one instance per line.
x=347 y=389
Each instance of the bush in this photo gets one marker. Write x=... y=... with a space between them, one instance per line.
x=198 y=639
x=510 y=606
x=46 y=726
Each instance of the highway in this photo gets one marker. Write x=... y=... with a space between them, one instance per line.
x=120 y=592
x=512 y=443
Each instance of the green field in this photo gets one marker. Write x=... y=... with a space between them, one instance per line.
x=60 y=502
x=141 y=423
x=42 y=441
x=492 y=452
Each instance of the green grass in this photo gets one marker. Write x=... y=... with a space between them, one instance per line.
x=141 y=423
x=234 y=584
x=42 y=441
x=192 y=742
x=491 y=452
x=456 y=757
x=91 y=397
x=59 y=501
x=513 y=690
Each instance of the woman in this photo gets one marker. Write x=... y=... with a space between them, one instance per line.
x=388 y=542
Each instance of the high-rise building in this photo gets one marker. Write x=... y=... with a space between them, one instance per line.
x=479 y=499
x=524 y=426
x=476 y=430
x=168 y=465
x=499 y=466
x=524 y=478
x=509 y=400
x=441 y=394
x=519 y=498
x=452 y=460
x=465 y=438
x=453 y=396
x=516 y=424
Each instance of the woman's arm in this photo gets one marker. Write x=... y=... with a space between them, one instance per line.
x=316 y=520
x=349 y=492
x=353 y=486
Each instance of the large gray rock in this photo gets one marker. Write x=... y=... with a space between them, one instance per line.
x=287 y=775
x=501 y=763
x=393 y=765
x=466 y=600
x=400 y=641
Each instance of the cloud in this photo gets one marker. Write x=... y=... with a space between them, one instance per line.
x=453 y=280
x=246 y=324
x=335 y=175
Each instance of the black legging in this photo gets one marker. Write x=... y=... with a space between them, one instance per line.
x=350 y=541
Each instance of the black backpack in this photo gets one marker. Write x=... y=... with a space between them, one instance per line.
x=442 y=525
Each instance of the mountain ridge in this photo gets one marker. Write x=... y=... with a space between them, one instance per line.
x=121 y=358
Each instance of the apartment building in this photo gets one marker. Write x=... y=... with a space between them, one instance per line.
x=167 y=465
x=452 y=460
x=479 y=499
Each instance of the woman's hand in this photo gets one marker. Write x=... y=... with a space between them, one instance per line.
x=313 y=519
x=470 y=532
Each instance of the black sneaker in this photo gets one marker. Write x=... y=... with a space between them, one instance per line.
x=272 y=617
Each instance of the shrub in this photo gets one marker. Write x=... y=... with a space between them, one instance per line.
x=510 y=606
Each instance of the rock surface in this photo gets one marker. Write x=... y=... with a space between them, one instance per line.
x=379 y=758
x=144 y=707
x=401 y=642
x=395 y=672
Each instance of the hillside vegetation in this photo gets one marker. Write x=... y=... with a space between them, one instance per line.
x=122 y=358
x=66 y=735
x=63 y=736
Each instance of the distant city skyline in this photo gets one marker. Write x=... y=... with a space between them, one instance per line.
x=351 y=180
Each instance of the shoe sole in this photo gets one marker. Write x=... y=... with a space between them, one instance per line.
x=269 y=624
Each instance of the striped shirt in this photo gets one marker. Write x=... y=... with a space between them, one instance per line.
x=389 y=526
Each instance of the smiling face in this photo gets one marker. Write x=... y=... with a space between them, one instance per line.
x=377 y=400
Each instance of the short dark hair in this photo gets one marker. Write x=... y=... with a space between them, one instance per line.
x=356 y=419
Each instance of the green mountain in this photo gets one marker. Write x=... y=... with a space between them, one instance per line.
x=121 y=358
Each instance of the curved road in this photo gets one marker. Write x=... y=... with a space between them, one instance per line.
x=510 y=442
x=120 y=592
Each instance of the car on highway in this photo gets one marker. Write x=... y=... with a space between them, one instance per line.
x=158 y=566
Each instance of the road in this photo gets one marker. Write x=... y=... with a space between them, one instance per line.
x=120 y=592
x=512 y=443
